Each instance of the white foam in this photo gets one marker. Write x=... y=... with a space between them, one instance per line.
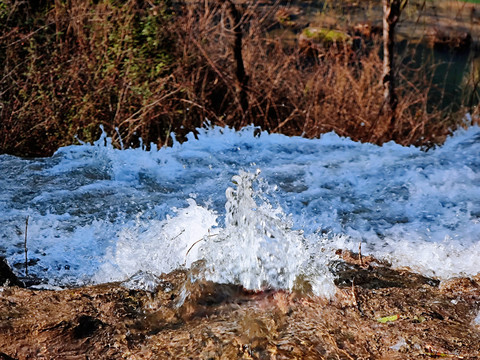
x=157 y=246
x=98 y=214
x=258 y=247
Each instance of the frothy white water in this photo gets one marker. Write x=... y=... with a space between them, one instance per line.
x=258 y=247
x=99 y=214
x=155 y=246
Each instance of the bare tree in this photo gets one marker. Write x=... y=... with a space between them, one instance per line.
x=391 y=14
x=242 y=78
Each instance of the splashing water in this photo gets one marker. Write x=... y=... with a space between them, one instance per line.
x=258 y=247
x=156 y=247
x=99 y=214
x=251 y=249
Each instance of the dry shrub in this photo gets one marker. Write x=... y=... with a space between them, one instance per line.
x=151 y=68
x=70 y=66
x=305 y=93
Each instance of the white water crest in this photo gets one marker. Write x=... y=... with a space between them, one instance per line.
x=99 y=214
x=258 y=247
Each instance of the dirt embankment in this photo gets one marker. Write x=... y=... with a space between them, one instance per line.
x=379 y=313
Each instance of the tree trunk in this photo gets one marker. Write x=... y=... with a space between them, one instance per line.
x=242 y=78
x=391 y=14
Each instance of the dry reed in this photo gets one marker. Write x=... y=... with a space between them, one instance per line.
x=150 y=69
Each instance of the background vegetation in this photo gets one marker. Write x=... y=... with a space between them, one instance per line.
x=150 y=68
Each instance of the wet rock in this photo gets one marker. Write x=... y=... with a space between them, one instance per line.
x=7 y=277
x=377 y=277
x=316 y=40
x=203 y=296
x=5 y=357
x=459 y=285
x=87 y=325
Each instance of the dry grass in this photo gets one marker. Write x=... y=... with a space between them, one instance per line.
x=148 y=71
x=308 y=93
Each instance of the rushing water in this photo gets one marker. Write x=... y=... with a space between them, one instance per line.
x=259 y=209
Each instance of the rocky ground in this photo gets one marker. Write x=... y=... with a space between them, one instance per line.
x=378 y=313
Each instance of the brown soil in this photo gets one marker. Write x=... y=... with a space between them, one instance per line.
x=378 y=313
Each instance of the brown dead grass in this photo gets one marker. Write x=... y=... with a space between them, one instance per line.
x=70 y=67
x=226 y=322
x=307 y=92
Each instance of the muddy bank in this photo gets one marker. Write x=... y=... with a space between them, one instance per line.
x=419 y=21
x=379 y=313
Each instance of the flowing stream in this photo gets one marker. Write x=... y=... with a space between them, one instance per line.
x=257 y=209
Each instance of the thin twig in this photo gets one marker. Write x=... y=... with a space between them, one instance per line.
x=355 y=299
x=354 y=293
x=196 y=242
x=30 y=34
x=148 y=106
x=190 y=248
x=360 y=253
x=176 y=236
x=25 y=247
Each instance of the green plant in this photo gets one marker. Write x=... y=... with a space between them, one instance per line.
x=326 y=36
